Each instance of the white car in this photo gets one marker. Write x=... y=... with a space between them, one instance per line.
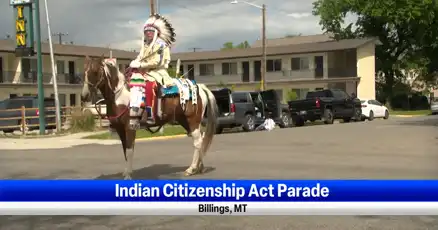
x=92 y=108
x=373 y=109
x=434 y=106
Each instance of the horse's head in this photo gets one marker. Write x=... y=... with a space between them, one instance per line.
x=98 y=75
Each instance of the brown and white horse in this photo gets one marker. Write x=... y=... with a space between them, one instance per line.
x=104 y=76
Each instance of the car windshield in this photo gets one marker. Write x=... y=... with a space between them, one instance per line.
x=435 y=100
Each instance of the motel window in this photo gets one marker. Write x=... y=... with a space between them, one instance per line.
x=229 y=68
x=206 y=69
x=60 y=67
x=273 y=65
x=300 y=63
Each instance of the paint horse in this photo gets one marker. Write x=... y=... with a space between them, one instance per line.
x=102 y=75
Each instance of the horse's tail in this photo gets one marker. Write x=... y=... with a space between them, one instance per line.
x=212 y=112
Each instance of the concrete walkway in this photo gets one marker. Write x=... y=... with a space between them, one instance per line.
x=54 y=142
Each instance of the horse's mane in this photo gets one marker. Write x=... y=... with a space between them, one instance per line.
x=111 y=70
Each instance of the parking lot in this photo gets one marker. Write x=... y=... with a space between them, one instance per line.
x=394 y=148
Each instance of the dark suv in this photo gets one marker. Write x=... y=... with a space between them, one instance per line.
x=10 y=108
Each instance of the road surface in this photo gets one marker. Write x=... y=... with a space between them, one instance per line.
x=396 y=148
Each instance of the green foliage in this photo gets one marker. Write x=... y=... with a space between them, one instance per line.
x=172 y=72
x=222 y=84
x=82 y=121
x=291 y=95
x=230 y=45
x=407 y=29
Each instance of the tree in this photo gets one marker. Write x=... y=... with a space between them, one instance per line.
x=406 y=28
x=230 y=45
x=172 y=72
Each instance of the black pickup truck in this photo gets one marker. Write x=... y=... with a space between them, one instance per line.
x=326 y=105
x=249 y=109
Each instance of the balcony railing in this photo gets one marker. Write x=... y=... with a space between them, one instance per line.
x=13 y=77
x=341 y=72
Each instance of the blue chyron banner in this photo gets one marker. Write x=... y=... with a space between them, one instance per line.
x=219 y=190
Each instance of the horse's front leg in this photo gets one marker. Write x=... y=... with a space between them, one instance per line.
x=130 y=144
x=197 y=165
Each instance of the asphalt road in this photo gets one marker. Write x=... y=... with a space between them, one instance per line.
x=396 y=148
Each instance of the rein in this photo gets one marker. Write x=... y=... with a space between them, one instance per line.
x=96 y=86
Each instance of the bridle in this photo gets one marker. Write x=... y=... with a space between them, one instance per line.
x=102 y=76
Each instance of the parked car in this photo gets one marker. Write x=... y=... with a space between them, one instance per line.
x=248 y=109
x=31 y=116
x=373 y=109
x=326 y=105
x=434 y=106
x=100 y=105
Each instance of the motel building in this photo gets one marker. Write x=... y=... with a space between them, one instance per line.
x=299 y=64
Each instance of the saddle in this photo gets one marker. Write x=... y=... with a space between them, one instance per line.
x=153 y=91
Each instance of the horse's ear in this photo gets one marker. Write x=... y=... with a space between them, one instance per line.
x=102 y=58
x=87 y=58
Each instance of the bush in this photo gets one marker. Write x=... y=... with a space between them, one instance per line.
x=292 y=95
x=82 y=120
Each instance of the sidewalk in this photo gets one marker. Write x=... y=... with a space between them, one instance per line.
x=55 y=142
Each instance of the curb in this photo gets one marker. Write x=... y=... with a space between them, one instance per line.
x=408 y=116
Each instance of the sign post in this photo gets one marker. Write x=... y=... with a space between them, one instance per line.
x=24 y=37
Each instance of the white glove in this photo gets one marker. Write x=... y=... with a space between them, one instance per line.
x=135 y=64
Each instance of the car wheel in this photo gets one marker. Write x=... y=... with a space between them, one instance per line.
x=386 y=115
x=298 y=122
x=357 y=115
x=285 y=120
x=249 y=123
x=371 y=116
x=328 y=116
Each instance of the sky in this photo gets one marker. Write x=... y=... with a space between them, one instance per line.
x=205 y=24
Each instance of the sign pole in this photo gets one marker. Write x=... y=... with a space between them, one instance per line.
x=42 y=116
x=54 y=72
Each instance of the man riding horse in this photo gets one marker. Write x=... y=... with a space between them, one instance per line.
x=154 y=56
x=152 y=62
x=154 y=94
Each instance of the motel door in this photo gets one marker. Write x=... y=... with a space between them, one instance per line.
x=257 y=70
x=245 y=75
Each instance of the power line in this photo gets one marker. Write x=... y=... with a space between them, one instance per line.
x=60 y=35
x=195 y=48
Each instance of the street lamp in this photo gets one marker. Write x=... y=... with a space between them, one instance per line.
x=263 y=68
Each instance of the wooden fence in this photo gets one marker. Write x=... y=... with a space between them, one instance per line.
x=22 y=120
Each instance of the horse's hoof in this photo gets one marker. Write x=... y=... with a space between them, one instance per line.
x=128 y=178
x=191 y=172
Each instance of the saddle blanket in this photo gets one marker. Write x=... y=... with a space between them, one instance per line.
x=143 y=93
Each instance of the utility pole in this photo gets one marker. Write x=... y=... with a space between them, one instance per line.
x=263 y=69
x=152 y=6
x=42 y=120
x=54 y=73
x=195 y=48
x=60 y=35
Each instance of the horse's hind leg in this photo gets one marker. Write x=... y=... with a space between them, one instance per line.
x=130 y=143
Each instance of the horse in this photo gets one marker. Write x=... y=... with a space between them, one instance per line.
x=104 y=76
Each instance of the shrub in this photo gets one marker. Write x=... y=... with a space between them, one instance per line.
x=82 y=120
x=292 y=95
